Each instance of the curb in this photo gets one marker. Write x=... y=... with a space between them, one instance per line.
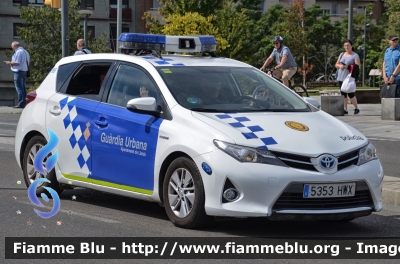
x=391 y=191
x=10 y=110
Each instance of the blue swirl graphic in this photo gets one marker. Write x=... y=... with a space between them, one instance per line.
x=44 y=151
x=50 y=163
x=32 y=196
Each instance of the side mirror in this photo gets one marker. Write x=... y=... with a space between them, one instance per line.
x=144 y=105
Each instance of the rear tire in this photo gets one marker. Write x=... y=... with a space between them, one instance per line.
x=184 y=196
x=299 y=89
x=29 y=171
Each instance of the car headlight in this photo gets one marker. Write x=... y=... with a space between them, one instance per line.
x=246 y=154
x=366 y=154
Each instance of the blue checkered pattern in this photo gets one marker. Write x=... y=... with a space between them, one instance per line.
x=77 y=139
x=249 y=130
x=163 y=61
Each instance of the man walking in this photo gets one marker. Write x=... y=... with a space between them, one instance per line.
x=81 y=48
x=283 y=58
x=19 y=65
x=391 y=61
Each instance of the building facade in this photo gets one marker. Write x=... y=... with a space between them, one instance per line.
x=103 y=20
x=337 y=9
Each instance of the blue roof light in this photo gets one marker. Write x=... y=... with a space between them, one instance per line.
x=207 y=40
x=142 y=38
x=137 y=41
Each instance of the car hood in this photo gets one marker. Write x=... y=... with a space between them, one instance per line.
x=302 y=133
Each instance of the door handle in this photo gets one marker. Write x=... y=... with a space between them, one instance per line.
x=102 y=122
x=55 y=111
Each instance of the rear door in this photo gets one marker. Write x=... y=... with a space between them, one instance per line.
x=70 y=113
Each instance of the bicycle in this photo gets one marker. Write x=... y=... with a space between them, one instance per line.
x=324 y=78
x=297 y=88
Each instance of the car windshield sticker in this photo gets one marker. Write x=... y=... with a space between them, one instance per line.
x=296 y=126
x=166 y=70
x=249 y=130
x=193 y=100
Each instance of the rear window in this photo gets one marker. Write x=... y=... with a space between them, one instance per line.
x=63 y=73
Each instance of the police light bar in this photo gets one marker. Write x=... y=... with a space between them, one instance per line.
x=138 y=41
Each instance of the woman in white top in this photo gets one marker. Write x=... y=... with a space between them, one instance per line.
x=349 y=57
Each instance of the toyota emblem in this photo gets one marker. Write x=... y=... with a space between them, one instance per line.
x=327 y=162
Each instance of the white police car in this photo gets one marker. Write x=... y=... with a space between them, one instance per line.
x=203 y=135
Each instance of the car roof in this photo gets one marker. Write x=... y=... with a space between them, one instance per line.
x=167 y=60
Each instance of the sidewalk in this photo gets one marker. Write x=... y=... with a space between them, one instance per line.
x=367 y=122
x=10 y=110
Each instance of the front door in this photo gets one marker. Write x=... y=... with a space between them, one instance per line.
x=123 y=142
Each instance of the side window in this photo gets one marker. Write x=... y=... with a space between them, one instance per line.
x=63 y=73
x=88 y=79
x=130 y=83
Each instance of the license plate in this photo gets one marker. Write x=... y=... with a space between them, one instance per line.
x=329 y=190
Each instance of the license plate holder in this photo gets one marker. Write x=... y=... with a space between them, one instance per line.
x=329 y=190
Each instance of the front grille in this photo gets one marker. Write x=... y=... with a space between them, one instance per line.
x=295 y=161
x=292 y=199
x=304 y=162
x=347 y=159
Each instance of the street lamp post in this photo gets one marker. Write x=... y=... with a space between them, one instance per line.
x=364 y=39
x=86 y=13
x=350 y=22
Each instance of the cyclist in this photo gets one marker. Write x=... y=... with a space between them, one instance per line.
x=284 y=59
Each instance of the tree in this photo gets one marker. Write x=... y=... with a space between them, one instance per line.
x=393 y=13
x=203 y=7
x=237 y=28
x=264 y=33
x=193 y=24
x=42 y=37
x=325 y=40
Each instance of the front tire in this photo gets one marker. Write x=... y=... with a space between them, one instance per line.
x=183 y=194
x=29 y=171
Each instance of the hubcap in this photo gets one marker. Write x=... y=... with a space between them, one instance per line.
x=33 y=174
x=181 y=192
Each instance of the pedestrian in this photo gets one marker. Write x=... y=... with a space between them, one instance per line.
x=347 y=58
x=19 y=65
x=391 y=61
x=81 y=48
x=283 y=58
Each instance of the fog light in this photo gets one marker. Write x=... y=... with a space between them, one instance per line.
x=231 y=194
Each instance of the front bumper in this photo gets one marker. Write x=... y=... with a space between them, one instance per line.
x=260 y=187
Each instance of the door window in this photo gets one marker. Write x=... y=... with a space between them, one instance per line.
x=129 y=83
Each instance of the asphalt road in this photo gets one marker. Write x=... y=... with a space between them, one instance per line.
x=97 y=214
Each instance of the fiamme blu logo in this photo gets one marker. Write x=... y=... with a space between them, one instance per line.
x=38 y=161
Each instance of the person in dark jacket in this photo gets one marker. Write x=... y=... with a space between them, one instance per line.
x=348 y=58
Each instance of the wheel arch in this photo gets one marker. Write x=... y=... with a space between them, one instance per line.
x=25 y=141
x=164 y=167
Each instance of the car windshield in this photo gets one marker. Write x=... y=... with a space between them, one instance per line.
x=229 y=89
